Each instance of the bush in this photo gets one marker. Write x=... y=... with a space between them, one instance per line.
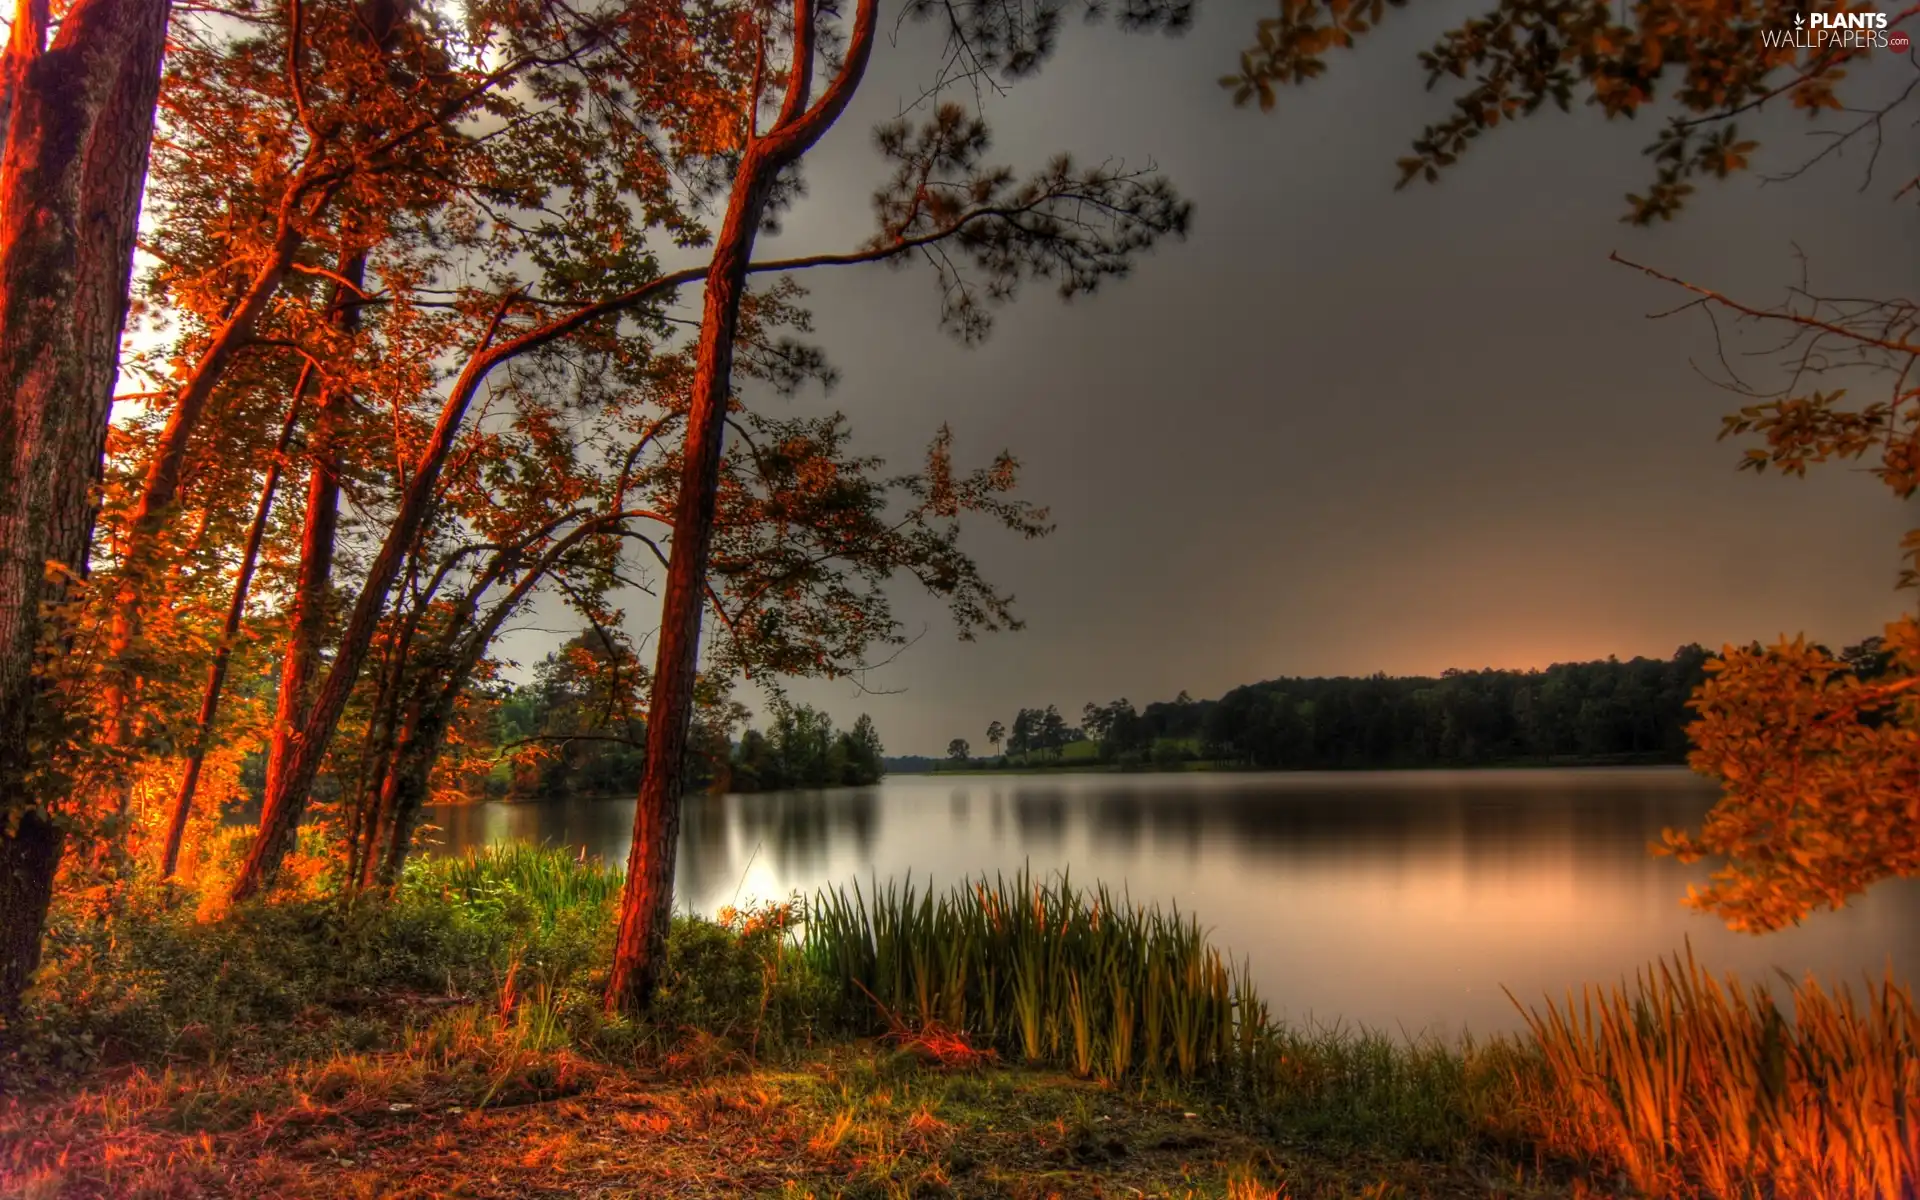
x=148 y=976
x=741 y=979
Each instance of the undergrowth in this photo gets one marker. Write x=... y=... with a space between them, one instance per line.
x=477 y=985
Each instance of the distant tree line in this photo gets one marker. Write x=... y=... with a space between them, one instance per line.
x=1615 y=710
x=575 y=729
x=801 y=749
x=1166 y=731
x=1609 y=711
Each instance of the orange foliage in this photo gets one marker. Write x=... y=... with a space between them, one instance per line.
x=1821 y=776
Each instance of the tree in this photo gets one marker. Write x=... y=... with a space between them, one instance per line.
x=1052 y=735
x=940 y=194
x=959 y=751
x=996 y=734
x=1115 y=726
x=1816 y=756
x=865 y=754
x=77 y=119
x=1094 y=719
x=427 y=197
x=1026 y=731
x=1522 y=54
x=803 y=533
x=1820 y=768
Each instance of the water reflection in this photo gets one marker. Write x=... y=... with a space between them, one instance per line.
x=1394 y=900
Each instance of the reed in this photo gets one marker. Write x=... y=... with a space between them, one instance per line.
x=1690 y=1087
x=1044 y=972
x=549 y=879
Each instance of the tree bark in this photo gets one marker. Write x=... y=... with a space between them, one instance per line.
x=407 y=782
x=376 y=760
x=646 y=900
x=287 y=793
x=307 y=625
x=80 y=123
x=217 y=673
x=162 y=483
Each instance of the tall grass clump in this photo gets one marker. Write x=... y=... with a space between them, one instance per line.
x=1043 y=973
x=1691 y=1088
x=544 y=881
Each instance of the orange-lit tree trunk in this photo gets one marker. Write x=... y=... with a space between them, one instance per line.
x=363 y=827
x=223 y=654
x=307 y=623
x=287 y=794
x=288 y=791
x=646 y=901
x=142 y=557
x=79 y=121
x=320 y=527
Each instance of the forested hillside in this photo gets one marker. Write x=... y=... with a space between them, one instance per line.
x=1603 y=711
x=1593 y=710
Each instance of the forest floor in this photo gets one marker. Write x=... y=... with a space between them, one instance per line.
x=852 y=1120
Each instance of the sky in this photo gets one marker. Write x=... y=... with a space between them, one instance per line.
x=1342 y=429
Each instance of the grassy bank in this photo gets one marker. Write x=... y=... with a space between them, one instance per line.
x=1016 y=1038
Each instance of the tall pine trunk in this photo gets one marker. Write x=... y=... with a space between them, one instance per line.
x=79 y=123
x=646 y=900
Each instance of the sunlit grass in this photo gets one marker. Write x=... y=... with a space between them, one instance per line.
x=1695 y=1088
x=554 y=880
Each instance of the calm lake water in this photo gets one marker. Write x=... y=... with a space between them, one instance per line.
x=1396 y=900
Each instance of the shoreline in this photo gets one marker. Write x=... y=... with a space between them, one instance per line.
x=457 y=1043
x=1115 y=769
x=1213 y=768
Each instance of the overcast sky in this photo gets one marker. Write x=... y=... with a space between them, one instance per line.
x=1342 y=429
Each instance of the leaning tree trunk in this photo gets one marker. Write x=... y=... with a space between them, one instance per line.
x=306 y=628
x=407 y=782
x=376 y=760
x=318 y=536
x=79 y=123
x=646 y=900
x=288 y=792
x=223 y=654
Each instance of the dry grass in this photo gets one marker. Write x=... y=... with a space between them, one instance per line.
x=1691 y=1088
x=856 y=1121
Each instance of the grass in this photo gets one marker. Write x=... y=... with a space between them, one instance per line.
x=1042 y=972
x=1692 y=1087
x=549 y=879
x=853 y=1121
x=1012 y=1038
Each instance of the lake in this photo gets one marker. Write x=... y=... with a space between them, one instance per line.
x=1395 y=900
